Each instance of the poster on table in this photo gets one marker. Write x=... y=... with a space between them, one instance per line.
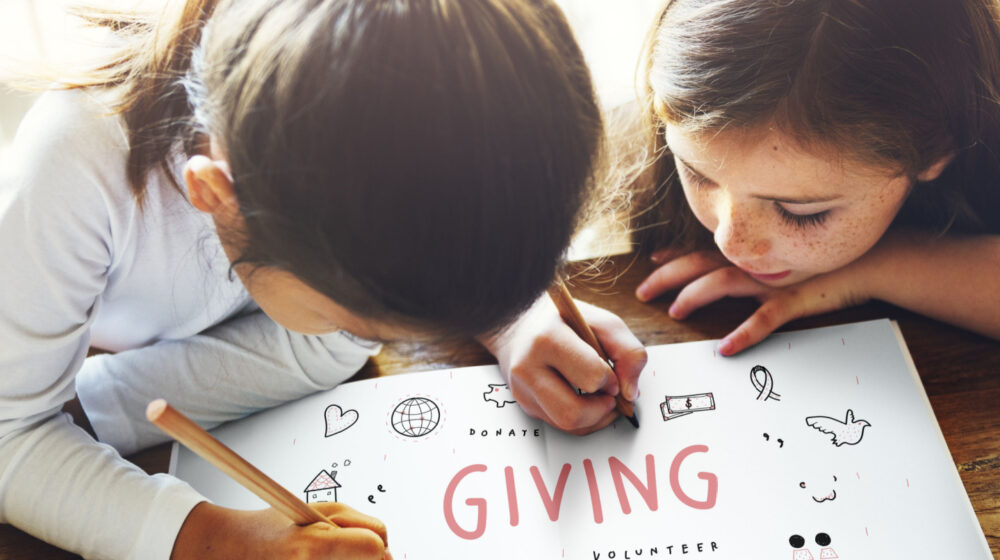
x=816 y=444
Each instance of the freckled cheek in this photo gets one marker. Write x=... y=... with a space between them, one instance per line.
x=839 y=244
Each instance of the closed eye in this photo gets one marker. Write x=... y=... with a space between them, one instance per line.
x=692 y=177
x=802 y=221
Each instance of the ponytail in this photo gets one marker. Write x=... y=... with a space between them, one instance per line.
x=147 y=72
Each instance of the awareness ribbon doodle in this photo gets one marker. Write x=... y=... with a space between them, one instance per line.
x=765 y=388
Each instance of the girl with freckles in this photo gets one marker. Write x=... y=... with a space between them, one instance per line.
x=817 y=154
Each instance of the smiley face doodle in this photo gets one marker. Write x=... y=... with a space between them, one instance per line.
x=823 y=497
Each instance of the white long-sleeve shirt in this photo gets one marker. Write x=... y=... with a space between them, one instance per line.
x=81 y=264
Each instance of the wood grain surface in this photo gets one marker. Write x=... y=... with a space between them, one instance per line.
x=960 y=370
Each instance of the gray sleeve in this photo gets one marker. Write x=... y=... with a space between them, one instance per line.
x=234 y=369
x=56 y=482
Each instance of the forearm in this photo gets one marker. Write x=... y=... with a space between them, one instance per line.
x=63 y=487
x=952 y=279
x=231 y=370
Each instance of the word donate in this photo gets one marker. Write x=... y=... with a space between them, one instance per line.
x=553 y=500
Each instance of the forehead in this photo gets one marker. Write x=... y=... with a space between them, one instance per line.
x=767 y=154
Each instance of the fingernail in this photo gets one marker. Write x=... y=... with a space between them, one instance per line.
x=614 y=390
x=640 y=293
x=675 y=311
x=631 y=392
x=726 y=347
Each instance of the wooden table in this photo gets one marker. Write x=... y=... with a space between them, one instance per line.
x=960 y=370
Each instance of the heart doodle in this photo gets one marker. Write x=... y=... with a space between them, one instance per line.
x=337 y=420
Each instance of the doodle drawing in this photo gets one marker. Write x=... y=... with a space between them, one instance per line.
x=682 y=405
x=846 y=432
x=499 y=394
x=415 y=417
x=828 y=497
x=323 y=488
x=337 y=420
x=781 y=442
x=763 y=383
x=371 y=497
x=801 y=553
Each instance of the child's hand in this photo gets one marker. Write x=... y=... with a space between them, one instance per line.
x=706 y=276
x=544 y=362
x=215 y=532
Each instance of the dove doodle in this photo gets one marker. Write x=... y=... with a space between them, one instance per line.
x=846 y=432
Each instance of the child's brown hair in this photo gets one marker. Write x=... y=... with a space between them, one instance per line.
x=894 y=83
x=422 y=162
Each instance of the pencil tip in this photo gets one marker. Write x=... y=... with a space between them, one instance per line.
x=634 y=420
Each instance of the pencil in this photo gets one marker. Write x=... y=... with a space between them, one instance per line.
x=181 y=428
x=571 y=314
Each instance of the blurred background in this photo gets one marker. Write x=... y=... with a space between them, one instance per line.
x=34 y=31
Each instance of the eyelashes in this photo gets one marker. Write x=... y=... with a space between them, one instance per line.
x=800 y=221
x=694 y=179
x=803 y=221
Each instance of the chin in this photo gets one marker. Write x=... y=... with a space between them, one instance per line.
x=794 y=278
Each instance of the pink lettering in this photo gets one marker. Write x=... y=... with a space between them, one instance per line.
x=478 y=503
x=595 y=495
x=675 y=483
x=648 y=492
x=554 y=502
x=508 y=472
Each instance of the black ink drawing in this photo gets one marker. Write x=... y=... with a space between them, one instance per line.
x=499 y=394
x=415 y=417
x=828 y=497
x=799 y=551
x=682 y=405
x=323 y=488
x=371 y=497
x=765 y=386
x=781 y=442
x=848 y=432
x=337 y=420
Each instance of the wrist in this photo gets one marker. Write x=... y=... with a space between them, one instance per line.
x=882 y=267
x=209 y=531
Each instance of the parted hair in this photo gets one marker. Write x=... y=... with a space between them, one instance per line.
x=423 y=162
x=894 y=83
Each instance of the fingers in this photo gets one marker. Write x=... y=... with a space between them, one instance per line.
x=768 y=317
x=723 y=282
x=580 y=364
x=625 y=350
x=345 y=516
x=600 y=425
x=326 y=541
x=545 y=395
x=780 y=306
x=679 y=272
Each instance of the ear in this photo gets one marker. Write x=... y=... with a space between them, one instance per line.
x=210 y=187
x=934 y=170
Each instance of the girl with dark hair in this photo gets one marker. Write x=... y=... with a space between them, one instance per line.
x=242 y=203
x=815 y=154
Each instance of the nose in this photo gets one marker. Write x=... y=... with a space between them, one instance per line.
x=741 y=233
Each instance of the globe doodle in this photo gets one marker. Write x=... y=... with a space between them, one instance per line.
x=415 y=417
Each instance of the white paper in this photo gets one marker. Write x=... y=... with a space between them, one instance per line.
x=456 y=470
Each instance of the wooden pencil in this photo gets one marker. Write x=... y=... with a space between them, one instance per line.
x=184 y=430
x=570 y=313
